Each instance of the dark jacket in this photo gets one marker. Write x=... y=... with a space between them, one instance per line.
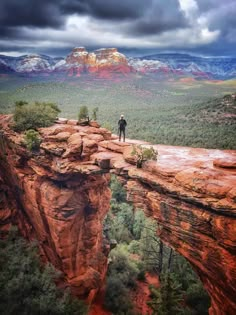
x=122 y=124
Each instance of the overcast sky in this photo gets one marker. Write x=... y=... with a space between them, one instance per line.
x=54 y=27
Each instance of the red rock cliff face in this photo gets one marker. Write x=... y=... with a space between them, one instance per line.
x=102 y=62
x=61 y=203
x=61 y=196
x=194 y=203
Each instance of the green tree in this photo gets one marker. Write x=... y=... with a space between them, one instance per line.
x=139 y=223
x=122 y=223
x=121 y=277
x=143 y=154
x=20 y=103
x=83 y=113
x=27 y=287
x=151 y=247
x=197 y=299
x=32 y=140
x=117 y=297
x=118 y=191
x=33 y=116
x=122 y=267
x=167 y=299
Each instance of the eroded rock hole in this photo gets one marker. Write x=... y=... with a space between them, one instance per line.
x=144 y=275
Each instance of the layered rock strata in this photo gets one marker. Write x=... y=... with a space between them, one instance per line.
x=60 y=196
x=104 y=62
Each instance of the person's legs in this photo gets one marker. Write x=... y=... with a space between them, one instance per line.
x=119 y=134
x=124 y=135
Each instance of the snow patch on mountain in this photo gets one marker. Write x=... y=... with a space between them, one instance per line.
x=169 y=63
x=214 y=68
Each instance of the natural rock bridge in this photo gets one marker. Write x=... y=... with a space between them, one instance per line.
x=60 y=196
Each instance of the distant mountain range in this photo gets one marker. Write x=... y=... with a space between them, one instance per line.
x=219 y=68
x=106 y=62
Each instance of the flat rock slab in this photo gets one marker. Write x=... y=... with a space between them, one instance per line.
x=225 y=163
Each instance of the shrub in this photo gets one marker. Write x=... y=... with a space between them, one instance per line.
x=32 y=140
x=122 y=268
x=83 y=112
x=134 y=247
x=20 y=103
x=33 y=116
x=117 y=297
x=143 y=154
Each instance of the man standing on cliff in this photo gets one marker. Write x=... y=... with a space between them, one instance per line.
x=121 y=127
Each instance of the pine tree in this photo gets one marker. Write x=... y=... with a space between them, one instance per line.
x=83 y=112
x=167 y=299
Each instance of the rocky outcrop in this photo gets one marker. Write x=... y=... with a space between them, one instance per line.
x=59 y=201
x=60 y=196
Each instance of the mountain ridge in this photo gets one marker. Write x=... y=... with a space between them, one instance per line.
x=105 y=62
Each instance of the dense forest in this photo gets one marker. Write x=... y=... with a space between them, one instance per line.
x=173 y=113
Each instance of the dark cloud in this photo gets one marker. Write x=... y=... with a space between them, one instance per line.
x=147 y=15
x=224 y=19
x=8 y=32
x=206 y=5
x=15 y=14
x=159 y=18
x=110 y=10
x=144 y=17
x=23 y=22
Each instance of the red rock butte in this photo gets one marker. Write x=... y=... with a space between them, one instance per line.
x=102 y=62
x=61 y=195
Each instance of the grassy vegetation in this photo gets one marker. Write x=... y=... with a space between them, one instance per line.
x=176 y=113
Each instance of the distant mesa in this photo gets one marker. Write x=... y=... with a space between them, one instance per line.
x=97 y=62
x=106 y=62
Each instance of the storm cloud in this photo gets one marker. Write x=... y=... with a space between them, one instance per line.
x=58 y=25
x=109 y=10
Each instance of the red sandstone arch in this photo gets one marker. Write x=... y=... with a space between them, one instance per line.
x=61 y=198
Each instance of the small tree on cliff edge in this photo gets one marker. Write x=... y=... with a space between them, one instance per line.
x=32 y=116
x=143 y=154
x=32 y=140
x=83 y=113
